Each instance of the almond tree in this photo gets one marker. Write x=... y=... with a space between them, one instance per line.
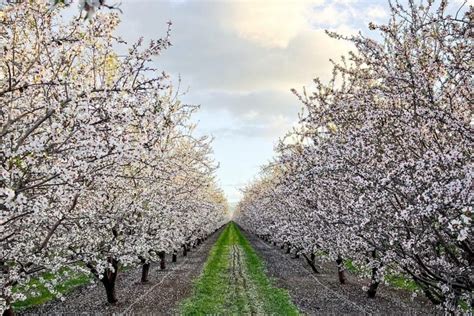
x=382 y=173
x=82 y=132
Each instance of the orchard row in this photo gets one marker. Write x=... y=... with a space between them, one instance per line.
x=379 y=170
x=99 y=165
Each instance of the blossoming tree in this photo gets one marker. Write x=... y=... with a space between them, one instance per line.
x=381 y=172
x=98 y=164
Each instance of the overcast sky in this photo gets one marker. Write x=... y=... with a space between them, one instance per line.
x=240 y=59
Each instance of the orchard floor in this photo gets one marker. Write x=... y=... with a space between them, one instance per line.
x=234 y=282
x=236 y=273
x=321 y=294
x=160 y=296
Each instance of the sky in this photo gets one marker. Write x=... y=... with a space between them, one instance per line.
x=238 y=59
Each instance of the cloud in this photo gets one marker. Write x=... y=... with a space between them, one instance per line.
x=376 y=13
x=251 y=115
x=248 y=105
x=271 y=23
x=246 y=67
x=256 y=114
x=346 y=2
x=331 y=16
x=273 y=127
x=468 y=2
x=211 y=53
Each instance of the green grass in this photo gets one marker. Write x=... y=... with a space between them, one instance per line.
x=37 y=293
x=351 y=267
x=401 y=282
x=394 y=280
x=211 y=290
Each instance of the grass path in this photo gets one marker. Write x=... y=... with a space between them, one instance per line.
x=234 y=282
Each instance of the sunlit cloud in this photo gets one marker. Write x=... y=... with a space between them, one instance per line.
x=271 y=23
x=376 y=12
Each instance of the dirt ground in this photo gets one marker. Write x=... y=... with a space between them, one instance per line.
x=313 y=294
x=160 y=296
x=321 y=294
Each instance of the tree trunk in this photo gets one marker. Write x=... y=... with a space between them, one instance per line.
x=9 y=311
x=374 y=284
x=110 y=291
x=109 y=279
x=433 y=296
x=145 y=270
x=288 y=250
x=435 y=299
x=340 y=270
x=311 y=262
x=174 y=257
x=185 y=251
x=162 y=260
x=282 y=246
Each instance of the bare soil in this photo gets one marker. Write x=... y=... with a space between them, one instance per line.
x=313 y=294
x=160 y=296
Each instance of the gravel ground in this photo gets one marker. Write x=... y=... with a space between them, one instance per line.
x=160 y=296
x=322 y=294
